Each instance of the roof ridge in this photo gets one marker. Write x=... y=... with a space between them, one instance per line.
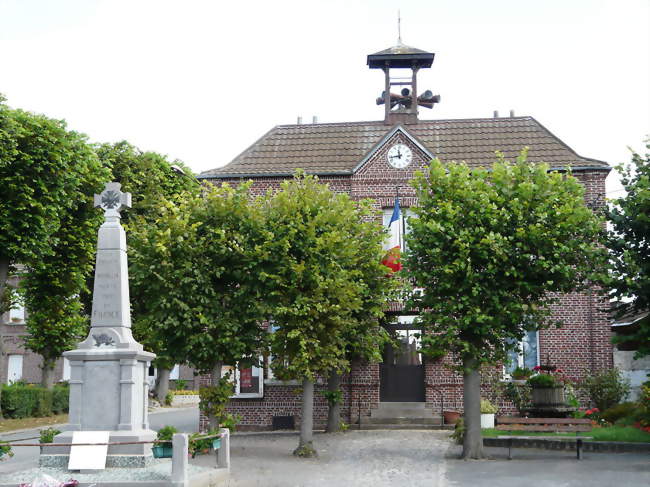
x=381 y=122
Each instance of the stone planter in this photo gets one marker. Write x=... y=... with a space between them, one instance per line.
x=451 y=417
x=185 y=400
x=487 y=420
x=545 y=397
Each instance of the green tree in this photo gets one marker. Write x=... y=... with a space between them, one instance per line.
x=317 y=283
x=364 y=335
x=492 y=248
x=629 y=242
x=53 y=285
x=44 y=169
x=199 y=269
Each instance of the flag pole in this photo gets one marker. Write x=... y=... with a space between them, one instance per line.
x=400 y=225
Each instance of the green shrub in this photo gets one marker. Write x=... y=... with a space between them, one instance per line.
x=620 y=411
x=23 y=401
x=180 y=384
x=521 y=373
x=487 y=407
x=166 y=432
x=60 y=398
x=606 y=388
x=47 y=435
x=543 y=380
x=459 y=432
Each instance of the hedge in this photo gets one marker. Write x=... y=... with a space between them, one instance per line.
x=21 y=400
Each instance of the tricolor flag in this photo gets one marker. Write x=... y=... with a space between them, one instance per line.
x=392 y=257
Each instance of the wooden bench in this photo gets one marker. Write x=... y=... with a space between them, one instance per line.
x=554 y=425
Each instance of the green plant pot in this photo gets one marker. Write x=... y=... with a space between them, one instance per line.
x=216 y=443
x=163 y=450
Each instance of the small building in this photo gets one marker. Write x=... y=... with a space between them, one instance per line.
x=376 y=159
x=636 y=370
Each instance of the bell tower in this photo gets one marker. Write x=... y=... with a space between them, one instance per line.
x=402 y=107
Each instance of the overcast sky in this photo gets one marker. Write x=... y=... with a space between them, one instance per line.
x=200 y=81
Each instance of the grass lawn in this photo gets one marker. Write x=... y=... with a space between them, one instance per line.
x=610 y=433
x=25 y=423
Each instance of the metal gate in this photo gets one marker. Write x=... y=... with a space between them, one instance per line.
x=401 y=375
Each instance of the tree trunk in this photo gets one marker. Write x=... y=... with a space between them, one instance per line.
x=4 y=270
x=215 y=377
x=472 y=442
x=334 y=411
x=162 y=384
x=305 y=446
x=47 y=379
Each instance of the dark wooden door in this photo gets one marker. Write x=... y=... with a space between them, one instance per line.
x=401 y=375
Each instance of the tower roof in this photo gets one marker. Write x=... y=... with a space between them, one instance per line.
x=400 y=56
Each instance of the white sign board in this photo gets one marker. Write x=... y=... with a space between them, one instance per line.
x=89 y=457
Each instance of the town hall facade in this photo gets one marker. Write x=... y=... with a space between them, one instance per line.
x=377 y=160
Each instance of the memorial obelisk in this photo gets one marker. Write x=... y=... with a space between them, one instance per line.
x=108 y=370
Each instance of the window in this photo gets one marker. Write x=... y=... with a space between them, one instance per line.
x=17 y=314
x=248 y=380
x=175 y=373
x=526 y=355
x=14 y=368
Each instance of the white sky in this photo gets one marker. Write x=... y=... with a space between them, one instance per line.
x=202 y=80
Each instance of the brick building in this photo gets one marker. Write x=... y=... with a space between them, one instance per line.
x=376 y=160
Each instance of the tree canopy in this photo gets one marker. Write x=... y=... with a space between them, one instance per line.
x=327 y=251
x=629 y=242
x=492 y=248
x=199 y=269
x=49 y=174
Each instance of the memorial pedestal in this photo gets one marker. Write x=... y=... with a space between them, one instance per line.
x=108 y=371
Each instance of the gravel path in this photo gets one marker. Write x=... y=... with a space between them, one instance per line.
x=354 y=458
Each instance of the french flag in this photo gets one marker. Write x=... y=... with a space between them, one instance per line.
x=392 y=257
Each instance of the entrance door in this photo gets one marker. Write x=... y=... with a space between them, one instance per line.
x=402 y=372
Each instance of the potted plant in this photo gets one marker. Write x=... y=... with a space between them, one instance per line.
x=164 y=449
x=521 y=373
x=547 y=387
x=488 y=410
x=47 y=435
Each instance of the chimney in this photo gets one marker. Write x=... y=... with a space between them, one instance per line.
x=496 y=113
x=299 y=121
x=314 y=119
x=512 y=114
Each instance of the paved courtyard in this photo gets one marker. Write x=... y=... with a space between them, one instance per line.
x=419 y=459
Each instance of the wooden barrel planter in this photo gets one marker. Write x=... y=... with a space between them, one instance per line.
x=545 y=397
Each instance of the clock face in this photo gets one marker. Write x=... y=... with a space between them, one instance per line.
x=399 y=156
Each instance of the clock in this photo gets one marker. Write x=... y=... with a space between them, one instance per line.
x=399 y=156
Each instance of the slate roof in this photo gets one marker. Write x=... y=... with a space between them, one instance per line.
x=338 y=148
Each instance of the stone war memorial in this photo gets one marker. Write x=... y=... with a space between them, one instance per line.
x=108 y=370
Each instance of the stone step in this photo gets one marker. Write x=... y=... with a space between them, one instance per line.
x=401 y=410
x=410 y=405
x=403 y=427
x=398 y=420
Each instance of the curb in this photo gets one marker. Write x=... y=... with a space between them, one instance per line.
x=592 y=446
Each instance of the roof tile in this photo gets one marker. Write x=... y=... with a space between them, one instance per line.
x=340 y=147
